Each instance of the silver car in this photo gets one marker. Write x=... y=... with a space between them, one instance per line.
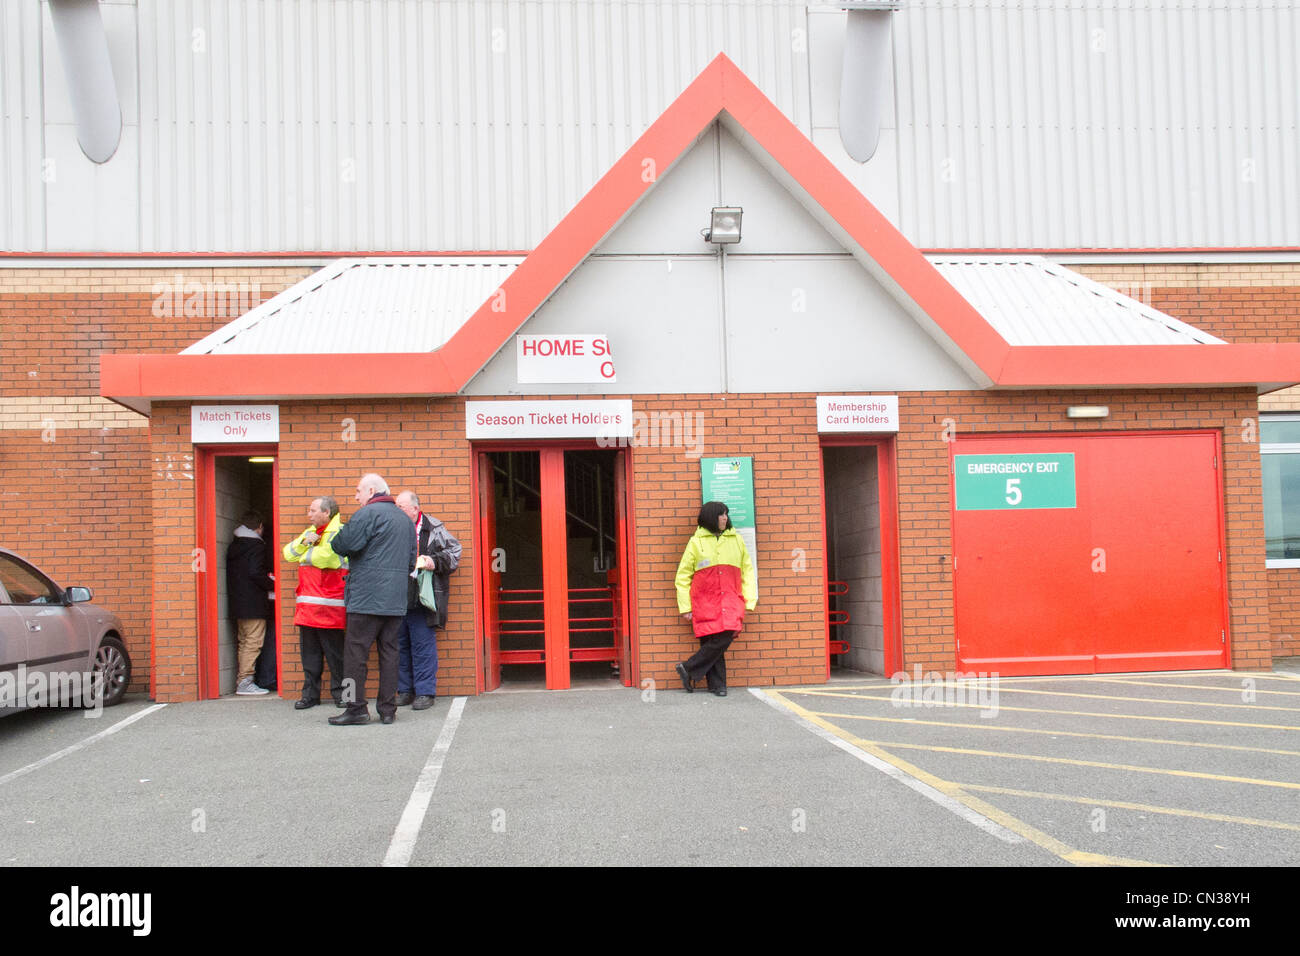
x=56 y=648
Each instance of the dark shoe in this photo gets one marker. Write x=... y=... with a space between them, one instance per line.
x=687 y=683
x=403 y=700
x=339 y=704
x=423 y=702
x=304 y=704
x=387 y=718
x=720 y=692
x=345 y=719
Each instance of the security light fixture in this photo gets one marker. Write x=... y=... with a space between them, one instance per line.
x=724 y=226
x=1088 y=411
x=260 y=461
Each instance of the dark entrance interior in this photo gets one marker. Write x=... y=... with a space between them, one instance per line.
x=853 y=559
x=555 y=581
x=240 y=482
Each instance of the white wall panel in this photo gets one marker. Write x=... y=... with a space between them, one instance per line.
x=409 y=125
x=91 y=205
x=1125 y=124
x=405 y=125
x=22 y=188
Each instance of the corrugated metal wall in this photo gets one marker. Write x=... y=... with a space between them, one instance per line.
x=414 y=126
x=22 y=189
x=1132 y=123
x=403 y=125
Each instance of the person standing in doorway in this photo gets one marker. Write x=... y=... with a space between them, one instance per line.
x=716 y=585
x=319 y=609
x=248 y=591
x=379 y=543
x=437 y=551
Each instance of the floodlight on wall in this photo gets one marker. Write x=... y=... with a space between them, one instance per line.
x=1088 y=411
x=724 y=226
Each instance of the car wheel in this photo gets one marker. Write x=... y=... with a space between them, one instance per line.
x=113 y=667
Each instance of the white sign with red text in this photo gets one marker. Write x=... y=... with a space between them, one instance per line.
x=857 y=413
x=217 y=424
x=563 y=359
x=561 y=419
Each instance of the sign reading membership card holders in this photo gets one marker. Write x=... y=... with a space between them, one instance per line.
x=1014 y=482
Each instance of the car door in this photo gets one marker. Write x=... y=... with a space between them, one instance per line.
x=56 y=645
x=13 y=651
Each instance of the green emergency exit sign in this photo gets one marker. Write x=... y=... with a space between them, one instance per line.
x=1013 y=482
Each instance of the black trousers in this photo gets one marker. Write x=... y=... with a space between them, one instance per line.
x=708 y=662
x=318 y=645
x=363 y=631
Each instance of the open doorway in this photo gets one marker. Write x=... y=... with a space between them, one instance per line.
x=861 y=577
x=553 y=583
x=232 y=482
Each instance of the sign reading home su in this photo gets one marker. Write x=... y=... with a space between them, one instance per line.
x=563 y=359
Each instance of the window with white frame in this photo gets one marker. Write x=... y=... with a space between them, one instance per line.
x=1279 y=456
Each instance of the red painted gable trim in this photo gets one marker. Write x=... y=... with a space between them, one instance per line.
x=1056 y=366
x=720 y=89
x=273 y=376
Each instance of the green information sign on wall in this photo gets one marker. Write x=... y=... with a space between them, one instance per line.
x=1009 y=482
x=731 y=481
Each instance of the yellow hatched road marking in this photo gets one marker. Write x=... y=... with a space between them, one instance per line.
x=1072 y=678
x=1016 y=825
x=1130 y=768
x=1234 y=689
x=1134 y=700
x=1068 y=713
x=1144 y=807
x=920 y=722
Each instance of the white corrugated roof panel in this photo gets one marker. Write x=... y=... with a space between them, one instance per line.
x=1031 y=301
x=366 y=305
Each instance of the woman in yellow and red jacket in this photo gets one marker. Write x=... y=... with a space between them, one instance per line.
x=715 y=587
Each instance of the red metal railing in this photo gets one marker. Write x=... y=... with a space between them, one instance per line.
x=837 y=618
x=536 y=625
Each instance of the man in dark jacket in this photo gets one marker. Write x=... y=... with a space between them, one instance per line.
x=437 y=551
x=379 y=543
x=248 y=588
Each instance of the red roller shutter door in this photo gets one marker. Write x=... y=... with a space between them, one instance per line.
x=1130 y=579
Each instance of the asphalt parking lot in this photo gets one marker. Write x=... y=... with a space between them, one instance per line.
x=1193 y=768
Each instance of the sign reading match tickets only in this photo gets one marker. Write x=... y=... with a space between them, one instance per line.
x=731 y=481
x=563 y=359
x=217 y=424
x=857 y=413
x=1009 y=482
x=606 y=418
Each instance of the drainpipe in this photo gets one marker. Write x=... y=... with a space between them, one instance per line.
x=864 y=75
x=83 y=47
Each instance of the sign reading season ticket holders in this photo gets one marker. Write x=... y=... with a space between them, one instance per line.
x=1009 y=482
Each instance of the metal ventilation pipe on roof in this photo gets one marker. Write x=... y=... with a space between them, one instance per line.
x=864 y=74
x=83 y=47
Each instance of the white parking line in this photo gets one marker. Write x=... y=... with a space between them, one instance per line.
x=13 y=774
x=930 y=793
x=408 y=827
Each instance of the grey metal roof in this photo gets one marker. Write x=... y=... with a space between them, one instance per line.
x=366 y=305
x=1032 y=301
x=417 y=304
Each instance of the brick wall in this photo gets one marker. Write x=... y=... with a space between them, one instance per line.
x=75 y=467
x=924 y=515
x=325 y=447
x=1239 y=302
